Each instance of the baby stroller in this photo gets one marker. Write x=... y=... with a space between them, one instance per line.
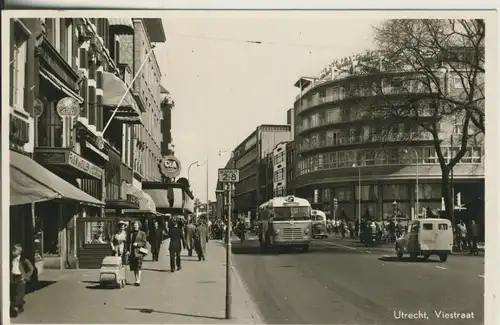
x=112 y=272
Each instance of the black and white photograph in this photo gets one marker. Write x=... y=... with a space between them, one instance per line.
x=248 y=167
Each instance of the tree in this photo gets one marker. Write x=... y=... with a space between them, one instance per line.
x=438 y=66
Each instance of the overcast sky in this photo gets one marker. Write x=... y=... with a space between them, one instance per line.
x=223 y=87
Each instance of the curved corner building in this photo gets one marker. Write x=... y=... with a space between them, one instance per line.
x=337 y=150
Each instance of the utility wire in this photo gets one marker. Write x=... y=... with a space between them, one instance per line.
x=252 y=41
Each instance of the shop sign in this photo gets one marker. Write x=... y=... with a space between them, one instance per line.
x=38 y=108
x=171 y=166
x=68 y=107
x=85 y=166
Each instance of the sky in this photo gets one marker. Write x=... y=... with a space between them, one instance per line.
x=224 y=87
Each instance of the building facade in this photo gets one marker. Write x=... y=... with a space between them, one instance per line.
x=338 y=148
x=247 y=156
x=167 y=105
x=290 y=168
x=279 y=161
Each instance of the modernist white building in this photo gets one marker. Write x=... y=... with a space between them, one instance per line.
x=279 y=169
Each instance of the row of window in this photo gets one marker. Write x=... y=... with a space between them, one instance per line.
x=365 y=88
x=279 y=158
x=279 y=175
x=374 y=192
x=383 y=156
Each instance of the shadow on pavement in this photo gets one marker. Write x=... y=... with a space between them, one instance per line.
x=150 y=311
x=156 y=270
x=406 y=259
x=38 y=285
x=255 y=250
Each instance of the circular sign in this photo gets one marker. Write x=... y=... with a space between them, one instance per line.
x=68 y=107
x=99 y=142
x=171 y=166
x=38 y=108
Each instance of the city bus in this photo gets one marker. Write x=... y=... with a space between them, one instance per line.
x=285 y=222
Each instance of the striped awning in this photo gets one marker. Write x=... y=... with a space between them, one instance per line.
x=123 y=26
x=114 y=89
x=171 y=199
x=146 y=203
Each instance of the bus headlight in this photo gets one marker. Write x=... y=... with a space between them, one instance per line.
x=276 y=232
x=306 y=231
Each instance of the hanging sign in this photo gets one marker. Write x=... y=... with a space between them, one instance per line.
x=171 y=166
x=37 y=108
x=68 y=107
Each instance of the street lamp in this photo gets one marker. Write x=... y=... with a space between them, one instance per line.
x=359 y=197
x=197 y=163
x=445 y=72
x=416 y=179
x=395 y=210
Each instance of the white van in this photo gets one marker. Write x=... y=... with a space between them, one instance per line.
x=426 y=237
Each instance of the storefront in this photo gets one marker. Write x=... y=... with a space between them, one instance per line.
x=46 y=205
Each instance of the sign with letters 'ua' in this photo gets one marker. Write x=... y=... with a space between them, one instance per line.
x=171 y=166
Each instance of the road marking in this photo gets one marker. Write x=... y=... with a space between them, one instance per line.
x=441 y=267
x=481 y=276
x=343 y=246
x=368 y=252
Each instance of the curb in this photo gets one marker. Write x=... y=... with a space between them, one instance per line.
x=252 y=307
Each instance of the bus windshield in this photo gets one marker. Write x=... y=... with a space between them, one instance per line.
x=289 y=213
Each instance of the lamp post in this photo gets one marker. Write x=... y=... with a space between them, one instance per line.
x=359 y=197
x=197 y=163
x=416 y=180
x=445 y=72
x=395 y=210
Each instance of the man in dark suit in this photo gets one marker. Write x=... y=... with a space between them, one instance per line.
x=21 y=271
x=177 y=243
x=156 y=239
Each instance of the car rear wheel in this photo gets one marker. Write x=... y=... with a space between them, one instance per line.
x=443 y=257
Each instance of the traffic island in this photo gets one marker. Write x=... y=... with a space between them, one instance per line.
x=193 y=295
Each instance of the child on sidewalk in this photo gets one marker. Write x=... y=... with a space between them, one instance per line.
x=21 y=270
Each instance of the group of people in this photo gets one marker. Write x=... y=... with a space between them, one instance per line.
x=131 y=245
x=466 y=236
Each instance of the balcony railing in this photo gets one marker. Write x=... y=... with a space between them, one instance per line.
x=314 y=100
x=355 y=140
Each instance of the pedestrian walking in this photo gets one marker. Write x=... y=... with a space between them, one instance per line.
x=21 y=271
x=118 y=241
x=137 y=242
x=155 y=240
x=473 y=235
x=201 y=240
x=189 y=235
x=177 y=243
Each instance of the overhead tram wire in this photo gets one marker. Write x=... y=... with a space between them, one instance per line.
x=257 y=42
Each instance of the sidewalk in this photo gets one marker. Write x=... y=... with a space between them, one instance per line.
x=194 y=295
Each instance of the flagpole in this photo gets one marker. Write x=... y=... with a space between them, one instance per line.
x=128 y=89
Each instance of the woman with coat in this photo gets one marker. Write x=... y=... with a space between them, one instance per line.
x=201 y=240
x=189 y=233
x=136 y=240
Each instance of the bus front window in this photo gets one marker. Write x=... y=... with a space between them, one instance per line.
x=289 y=213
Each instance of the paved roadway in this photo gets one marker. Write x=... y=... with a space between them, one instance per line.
x=341 y=282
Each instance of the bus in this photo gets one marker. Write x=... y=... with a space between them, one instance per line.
x=285 y=222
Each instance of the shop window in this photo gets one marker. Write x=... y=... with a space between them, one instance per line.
x=429 y=191
x=395 y=191
x=50 y=130
x=368 y=192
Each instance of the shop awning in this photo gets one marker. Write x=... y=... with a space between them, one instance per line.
x=171 y=199
x=113 y=89
x=60 y=85
x=122 y=26
x=30 y=182
x=146 y=203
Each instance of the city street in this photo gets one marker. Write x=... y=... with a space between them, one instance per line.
x=194 y=295
x=340 y=282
